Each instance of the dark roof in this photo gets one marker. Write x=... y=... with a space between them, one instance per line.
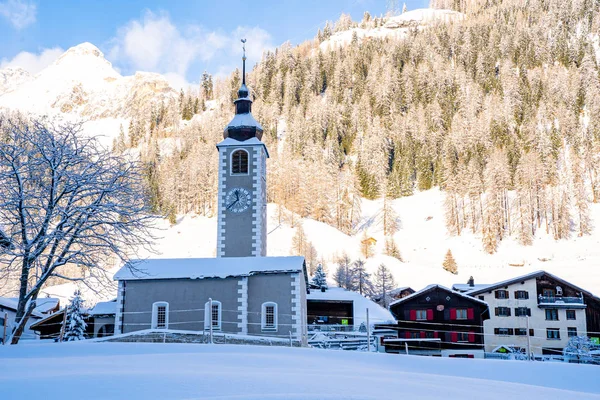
x=433 y=287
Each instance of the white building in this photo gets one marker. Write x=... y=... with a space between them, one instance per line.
x=538 y=310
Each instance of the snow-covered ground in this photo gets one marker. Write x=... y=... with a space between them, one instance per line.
x=192 y=371
x=422 y=239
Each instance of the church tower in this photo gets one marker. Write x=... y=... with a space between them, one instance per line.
x=242 y=195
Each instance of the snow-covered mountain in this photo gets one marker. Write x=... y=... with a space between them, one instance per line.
x=81 y=83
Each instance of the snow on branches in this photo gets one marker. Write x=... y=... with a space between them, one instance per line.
x=74 y=328
x=65 y=202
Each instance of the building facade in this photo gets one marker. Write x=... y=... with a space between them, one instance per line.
x=539 y=312
x=437 y=321
x=241 y=291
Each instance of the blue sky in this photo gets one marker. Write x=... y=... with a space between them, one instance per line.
x=179 y=38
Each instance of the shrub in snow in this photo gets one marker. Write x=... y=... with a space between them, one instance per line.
x=579 y=348
x=75 y=325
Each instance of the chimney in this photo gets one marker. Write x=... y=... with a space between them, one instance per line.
x=471 y=282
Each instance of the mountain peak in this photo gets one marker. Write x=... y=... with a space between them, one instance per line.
x=83 y=49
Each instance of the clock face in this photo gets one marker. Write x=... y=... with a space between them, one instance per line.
x=237 y=200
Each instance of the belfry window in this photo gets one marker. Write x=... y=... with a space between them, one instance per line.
x=239 y=162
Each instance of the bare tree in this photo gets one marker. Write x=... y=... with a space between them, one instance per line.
x=64 y=201
x=384 y=283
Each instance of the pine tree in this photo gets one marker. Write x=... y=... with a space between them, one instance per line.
x=383 y=284
x=75 y=325
x=361 y=279
x=320 y=278
x=449 y=263
x=391 y=249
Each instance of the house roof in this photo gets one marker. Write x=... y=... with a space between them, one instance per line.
x=201 y=268
x=531 y=275
x=465 y=287
x=12 y=304
x=377 y=314
x=104 y=308
x=432 y=287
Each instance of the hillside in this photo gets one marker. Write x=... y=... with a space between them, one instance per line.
x=422 y=241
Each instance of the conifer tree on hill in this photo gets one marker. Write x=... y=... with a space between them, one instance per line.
x=75 y=325
x=449 y=263
x=320 y=278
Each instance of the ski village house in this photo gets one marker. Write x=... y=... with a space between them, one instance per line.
x=241 y=291
x=539 y=310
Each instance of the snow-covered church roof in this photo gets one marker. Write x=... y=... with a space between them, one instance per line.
x=200 y=268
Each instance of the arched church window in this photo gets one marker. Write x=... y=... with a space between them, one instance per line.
x=239 y=162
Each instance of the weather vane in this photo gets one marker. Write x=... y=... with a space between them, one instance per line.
x=244 y=47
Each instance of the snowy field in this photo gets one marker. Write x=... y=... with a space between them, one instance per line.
x=184 y=371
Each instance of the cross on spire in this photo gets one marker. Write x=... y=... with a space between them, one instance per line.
x=244 y=62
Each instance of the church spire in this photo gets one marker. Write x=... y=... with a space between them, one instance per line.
x=243 y=126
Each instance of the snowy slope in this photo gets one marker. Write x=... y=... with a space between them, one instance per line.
x=394 y=27
x=192 y=371
x=422 y=240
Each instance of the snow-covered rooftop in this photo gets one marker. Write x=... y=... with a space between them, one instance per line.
x=12 y=304
x=465 y=287
x=245 y=120
x=429 y=287
x=104 y=308
x=200 y=268
x=377 y=314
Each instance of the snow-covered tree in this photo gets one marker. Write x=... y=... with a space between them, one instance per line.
x=64 y=202
x=74 y=328
x=449 y=263
x=579 y=348
x=383 y=284
x=320 y=278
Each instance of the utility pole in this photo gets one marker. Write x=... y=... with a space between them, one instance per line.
x=528 y=341
x=5 y=323
x=210 y=319
x=368 y=332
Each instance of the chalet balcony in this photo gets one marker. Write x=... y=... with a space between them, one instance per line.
x=560 y=302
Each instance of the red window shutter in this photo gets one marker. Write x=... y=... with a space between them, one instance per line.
x=413 y=315
x=422 y=335
x=453 y=313
x=407 y=335
x=470 y=313
x=453 y=337
x=471 y=337
x=436 y=335
x=429 y=315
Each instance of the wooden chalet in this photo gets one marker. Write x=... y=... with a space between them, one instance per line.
x=436 y=321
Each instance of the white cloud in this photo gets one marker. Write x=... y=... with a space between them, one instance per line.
x=155 y=44
x=19 y=13
x=33 y=63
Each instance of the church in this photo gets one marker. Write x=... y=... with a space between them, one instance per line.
x=241 y=291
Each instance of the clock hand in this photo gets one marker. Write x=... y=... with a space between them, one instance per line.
x=232 y=204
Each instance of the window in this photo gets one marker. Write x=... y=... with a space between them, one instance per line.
x=552 y=334
x=213 y=315
x=462 y=336
x=415 y=335
x=239 y=162
x=522 y=311
x=481 y=297
x=531 y=332
x=571 y=314
x=269 y=317
x=521 y=332
x=503 y=311
x=503 y=331
x=461 y=313
x=551 y=314
x=160 y=315
x=502 y=294
x=548 y=292
x=521 y=294
x=422 y=315
x=571 y=332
